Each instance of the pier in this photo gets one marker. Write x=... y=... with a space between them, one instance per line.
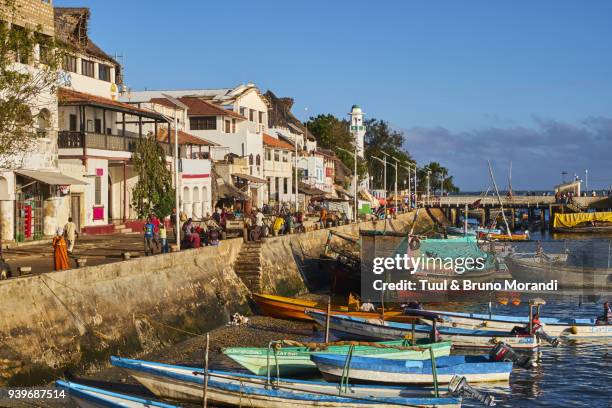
x=481 y=206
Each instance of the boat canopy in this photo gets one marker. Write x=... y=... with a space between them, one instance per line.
x=573 y=219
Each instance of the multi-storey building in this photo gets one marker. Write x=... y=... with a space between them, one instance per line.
x=97 y=133
x=34 y=195
x=235 y=118
x=278 y=170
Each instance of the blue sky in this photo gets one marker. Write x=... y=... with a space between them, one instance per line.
x=456 y=76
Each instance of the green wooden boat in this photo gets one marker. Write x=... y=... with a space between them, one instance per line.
x=294 y=361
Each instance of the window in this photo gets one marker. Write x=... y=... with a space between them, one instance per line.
x=203 y=122
x=104 y=72
x=72 y=118
x=285 y=157
x=285 y=185
x=69 y=63
x=268 y=155
x=87 y=68
x=233 y=125
x=258 y=160
x=250 y=159
x=98 y=125
x=276 y=155
x=46 y=55
x=243 y=111
x=252 y=115
x=261 y=118
x=98 y=190
x=228 y=126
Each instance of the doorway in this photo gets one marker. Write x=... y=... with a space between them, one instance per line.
x=75 y=209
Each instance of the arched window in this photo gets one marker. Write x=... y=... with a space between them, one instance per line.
x=186 y=195
x=250 y=159
x=196 y=195
x=258 y=160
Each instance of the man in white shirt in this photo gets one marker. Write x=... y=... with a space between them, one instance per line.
x=70 y=232
x=259 y=217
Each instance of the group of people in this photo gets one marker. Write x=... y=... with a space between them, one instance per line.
x=155 y=236
x=564 y=198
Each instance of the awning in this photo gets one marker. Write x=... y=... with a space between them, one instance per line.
x=310 y=191
x=50 y=177
x=248 y=177
x=229 y=191
x=340 y=190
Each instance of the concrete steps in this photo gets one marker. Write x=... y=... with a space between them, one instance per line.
x=121 y=228
x=248 y=266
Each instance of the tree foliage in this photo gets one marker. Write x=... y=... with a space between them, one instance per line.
x=333 y=133
x=29 y=62
x=438 y=179
x=153 y=194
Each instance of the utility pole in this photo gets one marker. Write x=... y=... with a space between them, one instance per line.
x=177 y=104
x=355 y=179
x=384 y=162
x=586 y=181
x=428 y=173
x=395 y=184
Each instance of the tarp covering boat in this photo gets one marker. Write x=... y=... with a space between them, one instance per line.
x=573 y=219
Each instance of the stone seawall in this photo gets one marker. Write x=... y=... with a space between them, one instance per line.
x=75 y=319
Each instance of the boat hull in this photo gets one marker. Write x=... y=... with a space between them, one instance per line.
x=572 y=330
x=346 y=327
x=293 y=361
x=534 y=270
x=379 y=370
x=293 y=309
x=179 y=384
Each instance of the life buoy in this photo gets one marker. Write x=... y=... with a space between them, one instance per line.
x=414 y=243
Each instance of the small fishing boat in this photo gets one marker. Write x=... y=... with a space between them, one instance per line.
x=460 y=231
x=505 y=237
x=351 y=328
x=382 y=370
x=293 y=309
x=294 y=361
x=89 y=397
x=534 y=268
x=185 y=384
x=566 y=328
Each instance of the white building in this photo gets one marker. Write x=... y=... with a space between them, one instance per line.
x=235 y=118
x=34 y=198
x=278 y=170
x=97 y=133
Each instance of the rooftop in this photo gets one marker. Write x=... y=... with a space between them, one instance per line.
x=277 y=143
x=67 y=97
x=198 y=106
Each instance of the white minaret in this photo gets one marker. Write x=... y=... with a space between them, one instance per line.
x=358 y=129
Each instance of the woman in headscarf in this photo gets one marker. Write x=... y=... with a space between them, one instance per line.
x=60 y=251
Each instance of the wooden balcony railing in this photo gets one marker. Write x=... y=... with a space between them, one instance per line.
x=78 y=140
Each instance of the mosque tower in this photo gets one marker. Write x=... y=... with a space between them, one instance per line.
x=358 y=128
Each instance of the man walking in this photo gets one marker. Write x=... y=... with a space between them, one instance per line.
x=148 y=237
x=70 y=230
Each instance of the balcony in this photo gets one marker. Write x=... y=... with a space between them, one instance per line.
x=81 y=140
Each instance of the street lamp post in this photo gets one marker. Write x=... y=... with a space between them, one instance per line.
x=395 y=184
x=586 y=181
x=177 y=104
x=384 y=162
x=428 y=173
x=355 y=180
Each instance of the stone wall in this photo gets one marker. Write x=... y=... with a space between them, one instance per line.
x=77 y=318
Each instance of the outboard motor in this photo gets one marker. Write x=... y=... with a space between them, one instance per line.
x=503 y=352
x=459 y=386
x=542 y=335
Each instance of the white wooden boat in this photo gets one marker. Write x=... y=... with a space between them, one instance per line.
x=180 y=383
x=90 y=397
x=351 y=328
x=565 y=328
x=381 y=370
x=542 y=268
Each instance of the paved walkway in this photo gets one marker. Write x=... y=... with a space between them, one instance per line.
x=98 y=249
